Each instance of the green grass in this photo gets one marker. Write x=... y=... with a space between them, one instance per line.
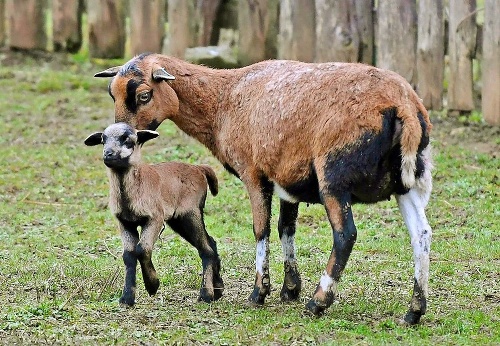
x=61 y=271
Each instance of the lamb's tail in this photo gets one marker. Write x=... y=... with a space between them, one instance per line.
x=213 y=183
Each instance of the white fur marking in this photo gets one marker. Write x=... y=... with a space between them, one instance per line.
x=288 y=247
x=326 y=283
x=261 y=259
x=281 y=193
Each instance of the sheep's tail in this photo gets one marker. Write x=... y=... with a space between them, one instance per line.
x=213 y=183
x=411 y=137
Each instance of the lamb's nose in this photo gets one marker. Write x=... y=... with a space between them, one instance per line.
x=107 y=153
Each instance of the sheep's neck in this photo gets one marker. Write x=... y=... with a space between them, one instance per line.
x=121 y=181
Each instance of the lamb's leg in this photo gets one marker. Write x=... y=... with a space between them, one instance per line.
x=130 y=237
x=191 y=227
x=144 y=250
x=286 y=228
x=344 y=237
x=412 y=206
x=260 y=193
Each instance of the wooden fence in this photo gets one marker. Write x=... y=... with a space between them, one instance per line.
x=440 y=47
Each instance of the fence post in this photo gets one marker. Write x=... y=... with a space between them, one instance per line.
x=491 y=63
x=147 y=26
x=27 y=24
x=106 y=28
x=67 y=25
x=253 y=23
x=337 y=37
x=297 y=36
x=461 y=49
x=206 y=15
x=430 y=53
x=397 y=37
x=366 y=28
x=181 y=34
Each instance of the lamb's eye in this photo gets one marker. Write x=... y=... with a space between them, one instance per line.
x=144 y=97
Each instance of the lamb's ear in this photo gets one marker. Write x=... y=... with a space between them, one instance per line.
x=110 y=72
x=94 y=139
x=145 y=135
x=159 y=74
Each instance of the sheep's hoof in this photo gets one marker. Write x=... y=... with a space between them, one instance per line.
x=257 y=298
x=218 y=288
x=206 y=296
x=292 y=285
x=127 y=302
x=314 y=308
x=411 y=318
x=152 y=286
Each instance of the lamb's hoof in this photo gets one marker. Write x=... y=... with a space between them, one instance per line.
x=152 y=286
x=257 y=298
x=314 y=308
x=289 y=293
x=206 y=296
x=411 y=318
x=218 y=289
x=127 y=302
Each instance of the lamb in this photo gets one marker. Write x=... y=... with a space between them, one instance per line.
x=329 y=133
x=146 y=196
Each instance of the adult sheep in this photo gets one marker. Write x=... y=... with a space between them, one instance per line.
x=330 y=133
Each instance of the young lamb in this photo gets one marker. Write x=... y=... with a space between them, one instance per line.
x=147 y=196
x=329 y=133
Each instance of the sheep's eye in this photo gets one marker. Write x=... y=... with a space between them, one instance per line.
x=144 y=97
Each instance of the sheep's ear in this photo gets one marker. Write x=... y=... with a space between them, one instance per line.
x=94 y=139
x=160 y=74
x=110 y=72
x=145 y=135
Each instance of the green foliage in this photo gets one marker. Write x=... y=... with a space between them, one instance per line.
x=60 y=253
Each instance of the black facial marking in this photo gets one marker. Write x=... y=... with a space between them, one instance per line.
x=130 y=100
x=153 y=125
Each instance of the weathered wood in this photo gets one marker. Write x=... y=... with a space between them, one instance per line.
x=181 y=34
x=27 y=24
x=253 y=23
x=430 y=53
x=491 y=63
x=67 y=25
x=147 y=26
x=397 y=37
x=461 y=48
x=2 y=23
x=106 y=28
x=272 y=29
x=337 y=37
x=297 y=33
x=206 y=13
x=366 y=28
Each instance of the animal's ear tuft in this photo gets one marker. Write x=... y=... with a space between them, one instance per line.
x=145 y=135
x=94 y=139
x=160 y=74
x=110 y=72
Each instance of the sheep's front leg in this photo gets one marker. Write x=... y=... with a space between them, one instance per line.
x=130 y=238
x=412 y=207
x=344 y=237
x=292 y=283
x=144 y=250
x=260 y=199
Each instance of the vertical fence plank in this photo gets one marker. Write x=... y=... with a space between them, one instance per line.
x=430 y=53
x=106 y=28
x=206 y=16
x=366 y=28
x=397 y=37
x=337 y=37
x=297 y=33
x=2 y=23
x=180 y=29
x=491 y=63
x=27 y=24
x=253 y=23
x=147 y=26
x=461 y=47
x=67 y=25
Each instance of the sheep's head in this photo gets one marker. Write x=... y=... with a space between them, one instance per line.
x=121 y=144
x=141 y=93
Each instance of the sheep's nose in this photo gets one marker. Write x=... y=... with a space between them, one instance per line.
x=107 y=153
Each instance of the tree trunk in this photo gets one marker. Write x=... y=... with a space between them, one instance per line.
x=2 y=23
x=147 y=26
x=106 y=28
x=67 y=25
x=461 y=48
x=181 y=34
x=297 y=34
x=272 y=30
x=337 y=36
x=366 y=28
x=430 y=53
x=397 y=37
x=491 y=63
x=206 y=15
x=253 y=23
x=27 y=24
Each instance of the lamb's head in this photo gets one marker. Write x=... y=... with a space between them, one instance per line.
x=121 y=143
x=140 y=90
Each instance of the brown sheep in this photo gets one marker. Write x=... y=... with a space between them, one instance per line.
x=147 y=196
x=330 y=133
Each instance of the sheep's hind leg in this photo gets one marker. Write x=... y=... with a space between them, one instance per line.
x=144 y=251
x=130 y=237
x=412 y=206
x=292 y=283
x=191 y=227
x=344 y=237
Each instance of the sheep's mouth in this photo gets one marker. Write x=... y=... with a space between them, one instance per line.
x=116 y=162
